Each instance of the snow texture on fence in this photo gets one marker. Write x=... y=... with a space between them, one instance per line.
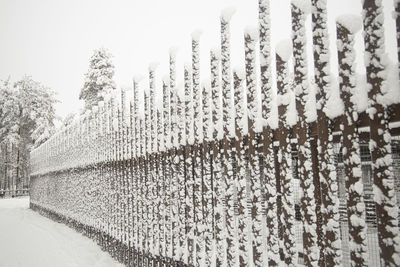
x=205 y=173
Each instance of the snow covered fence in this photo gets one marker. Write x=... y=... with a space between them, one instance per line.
x=207 y=174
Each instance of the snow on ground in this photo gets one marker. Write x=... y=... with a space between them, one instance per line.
x=29 y=239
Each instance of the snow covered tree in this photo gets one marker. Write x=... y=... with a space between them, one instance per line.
x=8 y=112
x=347 y=26
x=380 y=139
x=27 y=115
x=69 y=119
x=99 y=78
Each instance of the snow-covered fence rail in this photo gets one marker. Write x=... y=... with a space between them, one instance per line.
x=211 y=176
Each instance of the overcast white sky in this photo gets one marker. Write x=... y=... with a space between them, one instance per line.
x=52 y=40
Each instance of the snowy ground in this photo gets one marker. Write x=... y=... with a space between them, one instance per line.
x=30 y=240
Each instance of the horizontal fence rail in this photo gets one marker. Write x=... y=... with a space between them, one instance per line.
x=212 y=175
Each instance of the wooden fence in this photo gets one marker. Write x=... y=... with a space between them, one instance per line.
x=226 y=173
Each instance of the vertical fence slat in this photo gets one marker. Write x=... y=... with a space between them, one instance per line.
x=243 y=218
x=308 y=179
x=217 y=183
x=351 y=153
x=255 y=128
x=326 y=165
x=380 y=139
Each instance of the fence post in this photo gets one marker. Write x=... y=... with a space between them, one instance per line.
x=326 y=165
x=161 y=182
x=268 y=168
x=206 y=160
x=284 y=155
x=243 y=218
x=217 y=178
x=167 y=167
x=153 y=173
x=189 y=130
x=180 y=171
x=351 y=153
x=397 y=17
x=197 y=149
x=308 y=180
x=380 y=138
x=229 y=134
x=255 y=128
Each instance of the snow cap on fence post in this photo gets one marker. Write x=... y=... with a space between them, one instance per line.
x=227 y=13
x=351 y=22
x=303 y=5
x=284 y=49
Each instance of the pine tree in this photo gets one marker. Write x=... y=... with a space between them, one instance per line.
x=99 y=78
